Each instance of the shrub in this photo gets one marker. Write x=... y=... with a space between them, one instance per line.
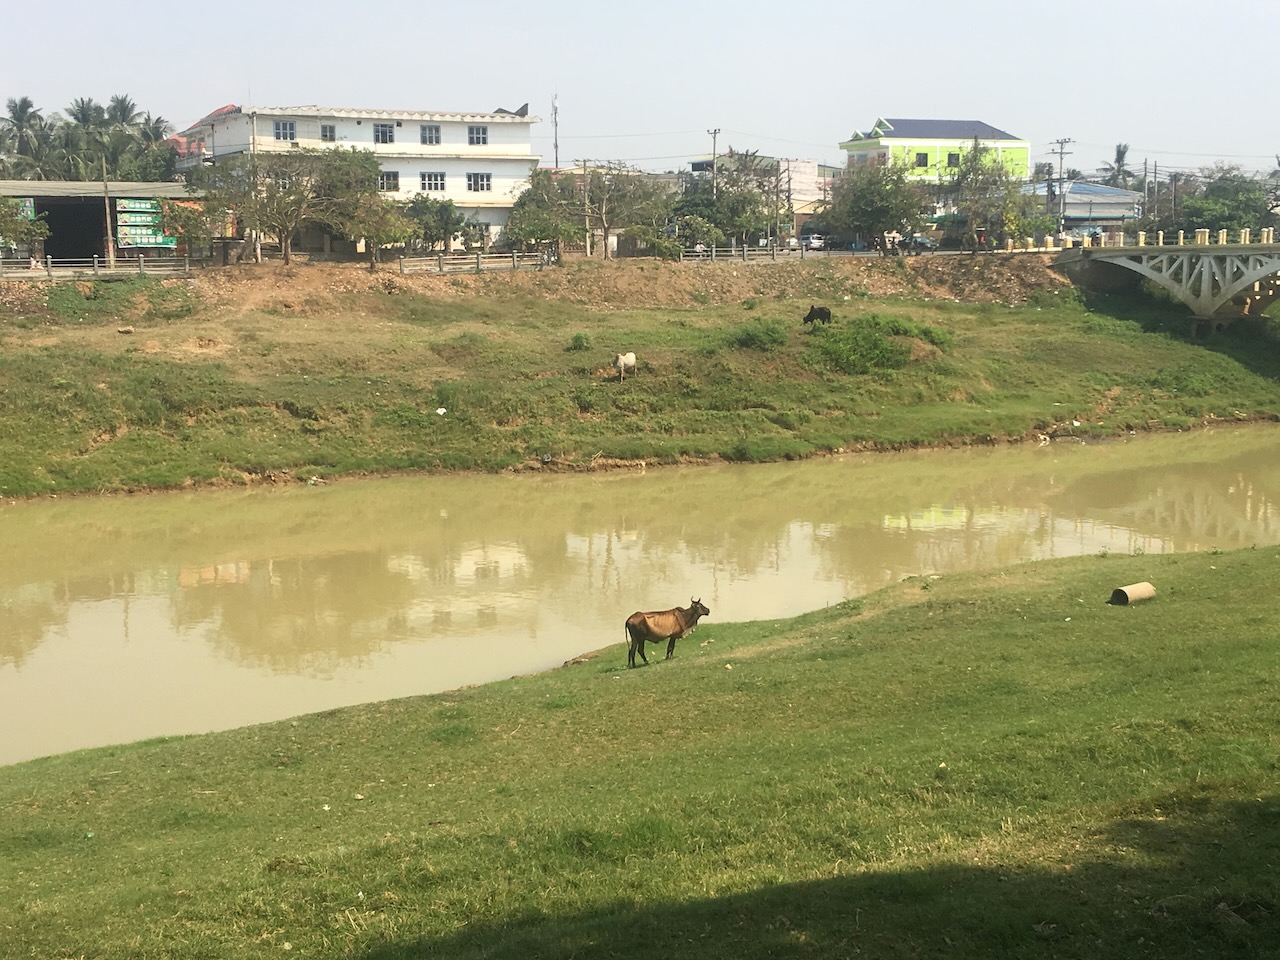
x=859 y=348
x=763 y=335
x=580 y=341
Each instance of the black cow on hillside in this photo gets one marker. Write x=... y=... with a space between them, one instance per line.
x=817 y=313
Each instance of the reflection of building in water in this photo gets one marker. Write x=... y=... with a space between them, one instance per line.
x=479 y=587
x=479 y=563
x=217 y=573
x=950 y=537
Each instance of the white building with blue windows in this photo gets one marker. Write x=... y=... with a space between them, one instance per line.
x=480 y=161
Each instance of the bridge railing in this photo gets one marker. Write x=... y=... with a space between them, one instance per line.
x=1196 y=238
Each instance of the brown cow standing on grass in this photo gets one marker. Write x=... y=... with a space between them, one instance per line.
x=659 y=625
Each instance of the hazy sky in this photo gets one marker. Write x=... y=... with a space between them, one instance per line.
x=645 y=82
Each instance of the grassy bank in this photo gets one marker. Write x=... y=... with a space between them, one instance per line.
x=240 y=376
x=982 y=765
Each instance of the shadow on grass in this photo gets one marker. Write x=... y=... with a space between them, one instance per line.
x=1207 y=886
x=1253 y=342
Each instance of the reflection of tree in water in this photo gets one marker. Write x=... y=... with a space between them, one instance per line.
x=26 y=620
x=299 y=613
x=28 y=615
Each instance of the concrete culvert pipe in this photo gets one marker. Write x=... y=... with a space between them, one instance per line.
x=1122 y=596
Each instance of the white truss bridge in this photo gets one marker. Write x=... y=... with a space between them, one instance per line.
x=1219 y=282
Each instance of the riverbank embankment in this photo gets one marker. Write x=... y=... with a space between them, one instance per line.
x=272 y=373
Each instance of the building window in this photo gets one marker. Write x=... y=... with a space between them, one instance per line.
x=433 y=182
x=384 y=133
x=285 y=130
x=922 y=159
x=953 y=160
x=389 y=181
x=479 y=181
x=477 y=136
x=329 y=132
x=431 y=133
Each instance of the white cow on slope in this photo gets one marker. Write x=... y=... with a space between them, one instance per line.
x=624 y=363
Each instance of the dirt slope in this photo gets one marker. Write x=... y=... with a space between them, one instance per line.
x=622 y=284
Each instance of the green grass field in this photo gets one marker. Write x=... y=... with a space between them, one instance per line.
x=981 y=765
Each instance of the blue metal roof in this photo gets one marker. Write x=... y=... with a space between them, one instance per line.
x=895 y=128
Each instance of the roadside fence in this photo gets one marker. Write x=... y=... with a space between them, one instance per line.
x=473 y=262
x=740 y=254
x=51 y=269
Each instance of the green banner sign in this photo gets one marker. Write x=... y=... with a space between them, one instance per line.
x=137 y=218
x=145 y=206
x=143 y=236
x=27 y=207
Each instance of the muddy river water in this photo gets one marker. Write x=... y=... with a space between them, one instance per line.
x=123 y=618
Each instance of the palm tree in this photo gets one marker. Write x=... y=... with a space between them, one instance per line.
x=22 y=119
x=87 y=112
x=154 y=130
x=1116 y=173
x=52 y=148
x=122 y=111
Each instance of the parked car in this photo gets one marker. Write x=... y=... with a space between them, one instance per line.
x=813 y=242
x=919 y=243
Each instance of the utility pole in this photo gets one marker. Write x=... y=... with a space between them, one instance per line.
x=555 y=127
x=106 y=204
x=1062 y=195
x=714 y=134
x=586 y=207
x=1155 y=191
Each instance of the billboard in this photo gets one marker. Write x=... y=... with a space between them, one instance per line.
x=138 y=224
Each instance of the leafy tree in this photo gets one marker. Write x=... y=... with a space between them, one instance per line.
x=474 y=235
x=619 y=196
x=16 y=228
x=548 y=211
x=278 y=194
x=192 y=221
x=1228 y=200
x=380 y=222
x=744 y=200
x=158 y=162
x=985 y=195
x=438 y=221
x=693 y=230
x=873 y=198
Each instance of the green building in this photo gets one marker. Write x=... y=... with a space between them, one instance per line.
x=931 y=149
